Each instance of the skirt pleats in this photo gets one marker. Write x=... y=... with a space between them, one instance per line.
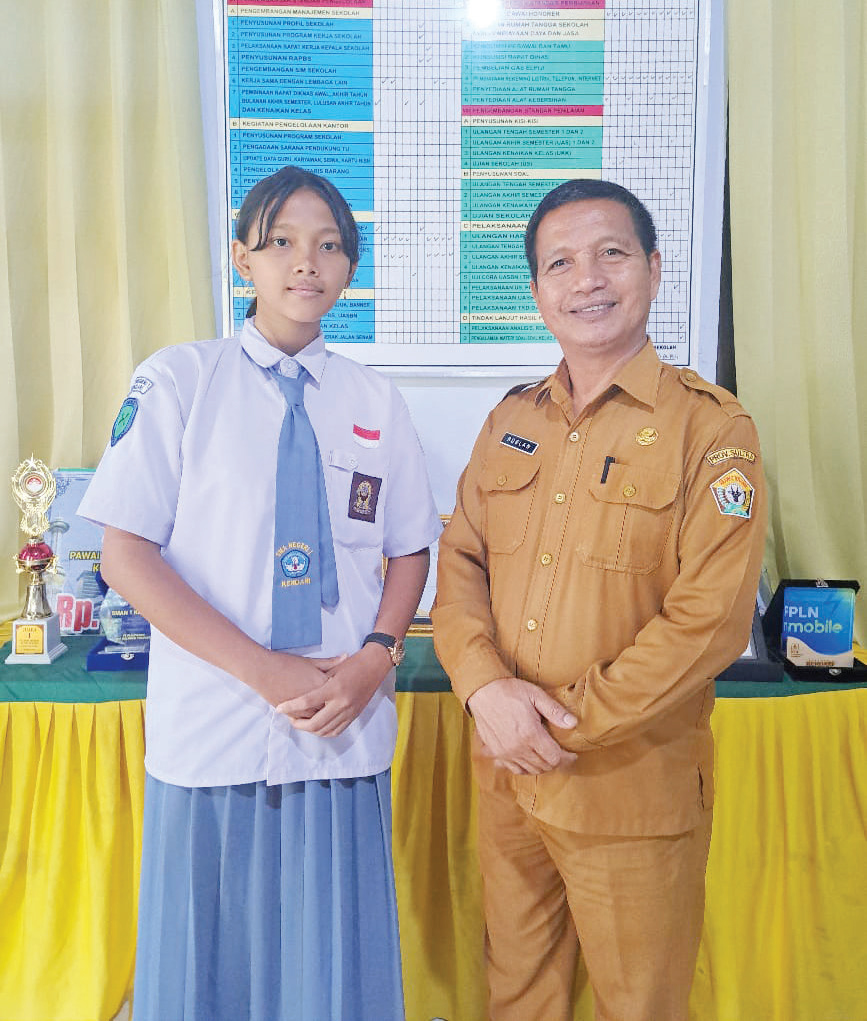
x=266 y=903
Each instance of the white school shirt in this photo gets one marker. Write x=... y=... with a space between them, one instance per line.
x=195 y=472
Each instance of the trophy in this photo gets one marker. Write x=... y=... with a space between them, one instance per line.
x=36 y=633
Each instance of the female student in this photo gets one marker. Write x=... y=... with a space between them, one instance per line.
x=250 y=490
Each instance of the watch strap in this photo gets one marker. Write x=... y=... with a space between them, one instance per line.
x=388 y=642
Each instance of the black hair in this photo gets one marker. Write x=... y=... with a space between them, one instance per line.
x=578 y=191
x=265 y=199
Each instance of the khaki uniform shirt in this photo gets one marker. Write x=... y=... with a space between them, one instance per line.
x=612 y=559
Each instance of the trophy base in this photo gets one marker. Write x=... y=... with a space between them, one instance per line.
x=36 y=641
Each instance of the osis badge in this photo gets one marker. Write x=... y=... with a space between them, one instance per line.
x=733 y=494
x=363 y=496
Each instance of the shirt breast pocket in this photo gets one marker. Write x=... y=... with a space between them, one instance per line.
x=356 y=497
x=628 y=519
x=509 y=487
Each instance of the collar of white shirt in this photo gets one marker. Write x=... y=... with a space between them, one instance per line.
x=312 y=357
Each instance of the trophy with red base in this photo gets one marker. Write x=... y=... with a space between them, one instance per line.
x=36 y=633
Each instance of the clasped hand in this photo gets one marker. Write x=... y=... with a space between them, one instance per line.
x=508 y=714
x=346 y=685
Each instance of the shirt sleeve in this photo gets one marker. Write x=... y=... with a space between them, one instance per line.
x=704 y=623
x=411 y=519
x=464 y=632
x=135 y=487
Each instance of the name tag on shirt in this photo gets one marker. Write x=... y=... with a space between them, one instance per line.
x=519 y=443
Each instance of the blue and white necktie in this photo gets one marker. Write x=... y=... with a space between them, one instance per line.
x=305 y=572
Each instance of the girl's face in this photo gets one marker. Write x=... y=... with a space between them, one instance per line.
x=299 y=274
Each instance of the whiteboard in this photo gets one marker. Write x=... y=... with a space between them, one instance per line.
x=443 y=124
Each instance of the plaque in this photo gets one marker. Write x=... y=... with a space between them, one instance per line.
x=126 y=641
x=36 y=633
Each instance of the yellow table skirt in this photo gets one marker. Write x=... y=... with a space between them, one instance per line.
x=787 y=878
x=71 y=789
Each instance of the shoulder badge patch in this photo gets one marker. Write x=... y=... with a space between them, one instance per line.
x=729 y=454
x=519 y=443
x=125 y=418
x=733 y=494
x=140 y=385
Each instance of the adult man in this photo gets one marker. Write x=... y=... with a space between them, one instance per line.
x=600 y=569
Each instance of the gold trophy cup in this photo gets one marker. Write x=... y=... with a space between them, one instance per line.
x=36 y=633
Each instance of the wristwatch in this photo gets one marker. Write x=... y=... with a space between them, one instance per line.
x=393 y=645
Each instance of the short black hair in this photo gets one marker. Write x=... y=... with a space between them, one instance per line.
x=265 y=200
x=578 y=191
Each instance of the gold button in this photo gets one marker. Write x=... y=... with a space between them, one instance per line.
x=574 y=437
x=501 y=480
x=546 y=559
x=532 y=624
x=690 y=376
x=559 y=498
x=629 y=490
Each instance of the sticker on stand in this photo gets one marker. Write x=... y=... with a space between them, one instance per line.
x=365 y=437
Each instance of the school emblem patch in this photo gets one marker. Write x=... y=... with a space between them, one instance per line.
x=295 y=563
x=733 y=494
x=125 y=418
x=363 y=496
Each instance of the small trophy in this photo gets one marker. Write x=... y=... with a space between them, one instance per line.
x=36 y=633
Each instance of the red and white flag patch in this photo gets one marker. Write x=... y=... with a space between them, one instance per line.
x=365 y=437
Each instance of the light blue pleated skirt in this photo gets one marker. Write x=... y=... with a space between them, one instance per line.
x=268 y=903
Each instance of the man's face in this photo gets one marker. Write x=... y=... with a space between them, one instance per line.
x=594 y=283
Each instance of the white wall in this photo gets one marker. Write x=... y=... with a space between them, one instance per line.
x=447 y=414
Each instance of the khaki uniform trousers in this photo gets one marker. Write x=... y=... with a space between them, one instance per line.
x=635 y=906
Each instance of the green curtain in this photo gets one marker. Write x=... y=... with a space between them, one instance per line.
x=103 y=223
x=798 y=174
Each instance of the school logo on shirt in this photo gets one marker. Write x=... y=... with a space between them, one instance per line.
x=294 y=563
x=733 y=494
x=125 y=418
x=363 y=496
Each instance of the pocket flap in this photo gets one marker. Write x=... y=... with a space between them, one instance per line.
x=508 y=474
x=639 y=485
x=342 y=459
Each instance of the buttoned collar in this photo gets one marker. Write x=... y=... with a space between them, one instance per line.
x=312 y=357
x=639 y=377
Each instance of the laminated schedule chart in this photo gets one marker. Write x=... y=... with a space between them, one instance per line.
x=301 y=91
x=444 y=124
x=531 y=118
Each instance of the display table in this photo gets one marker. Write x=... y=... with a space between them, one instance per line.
x=787 y=876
